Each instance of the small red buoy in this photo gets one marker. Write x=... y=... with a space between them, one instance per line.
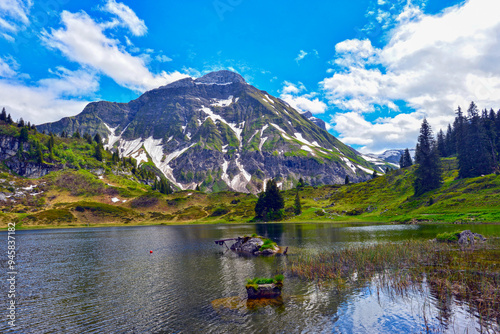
x=150 y=252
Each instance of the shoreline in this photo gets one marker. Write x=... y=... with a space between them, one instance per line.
x=76 y=226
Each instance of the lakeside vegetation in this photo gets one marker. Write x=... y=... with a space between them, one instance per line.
x=80 y=198
x=468 y=274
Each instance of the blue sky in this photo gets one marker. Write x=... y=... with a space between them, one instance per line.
x=372 y=69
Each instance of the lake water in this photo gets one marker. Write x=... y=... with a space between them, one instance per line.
x=100 y=280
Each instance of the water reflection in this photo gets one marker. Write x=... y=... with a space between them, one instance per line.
x=106 y=280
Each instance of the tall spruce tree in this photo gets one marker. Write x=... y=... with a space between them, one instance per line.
x=405 y=160
x=428 y=171
x=441 y=144
x=270 y=203
x=3 y=115
x=474 y=157
x=297 y=207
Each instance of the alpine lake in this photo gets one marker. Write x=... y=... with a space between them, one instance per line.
x=106 y=280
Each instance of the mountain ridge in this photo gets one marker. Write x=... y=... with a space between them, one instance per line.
x=219 y=132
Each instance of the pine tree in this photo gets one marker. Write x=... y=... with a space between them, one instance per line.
x=98 y=152
x=270 y=203
x=449 y=142
x=76 y=134
x=9 y=119
x=374 y=174
x=428 y=171
x=346 y=180
x=51 y=144
x=3 y=115
x=197 y=187
x=23 y=137
x=441 y=144
x=479 y=160
x=297 y=207
x=405 y=160
x=98 y=139
x=301 y=183
x=20 y=123
x=87 y=137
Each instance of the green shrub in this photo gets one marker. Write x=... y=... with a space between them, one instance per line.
x=448 y=236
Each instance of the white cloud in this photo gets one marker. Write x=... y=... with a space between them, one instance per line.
x=304 y=102
x=13 y=15
x=49 y=99
x=302 y=54
x=431 y=62
x=400 y=131
x=127 y=17
x=8 y=67
x=82 y=40
x=163 y=59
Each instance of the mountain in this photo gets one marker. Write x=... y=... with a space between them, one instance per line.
x=390 y=156
x=221 y=133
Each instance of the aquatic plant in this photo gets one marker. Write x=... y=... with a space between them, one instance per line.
x=470 y=275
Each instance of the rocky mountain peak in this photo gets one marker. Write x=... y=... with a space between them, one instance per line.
x=223 y=77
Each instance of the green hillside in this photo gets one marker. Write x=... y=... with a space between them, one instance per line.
x=110 y=193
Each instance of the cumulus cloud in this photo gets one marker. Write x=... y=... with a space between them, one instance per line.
x=432 y=63
x=127 y=18
x=295 y=96
x=14 y=15
x=48 y=99
x=82 y=40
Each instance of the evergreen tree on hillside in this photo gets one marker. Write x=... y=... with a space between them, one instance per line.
x=9 y=119
x=98 y=152
x=428 y=171
x=3 y=115
x=441 y=144
x=405 y=160
x=476 y=153
x=23 y=137
x=98 y=139
x=270 y=203
x=449 y=142
x=346 y=180
x=460 y=128
x=297 y=207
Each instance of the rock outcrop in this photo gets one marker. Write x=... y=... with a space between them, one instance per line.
x=252 y=245
x=468 y=238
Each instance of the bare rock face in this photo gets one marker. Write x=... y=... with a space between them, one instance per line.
x=264 y=291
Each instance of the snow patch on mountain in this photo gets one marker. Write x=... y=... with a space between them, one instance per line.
x=236 y=127
x=222 y=103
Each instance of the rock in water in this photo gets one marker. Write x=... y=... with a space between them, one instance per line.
x=247 y=245
x=264 y=291
x=467 y=237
